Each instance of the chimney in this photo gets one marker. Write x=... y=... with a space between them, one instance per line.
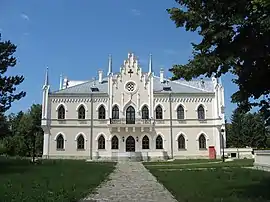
x=100 y=75
x=65 y=83
x=161 y=75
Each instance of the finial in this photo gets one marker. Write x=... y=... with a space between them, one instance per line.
x=150 y=64
x=110 y=65
x=46 y=83
x=61 y=82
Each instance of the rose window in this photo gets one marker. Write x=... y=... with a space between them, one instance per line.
x=130 y=86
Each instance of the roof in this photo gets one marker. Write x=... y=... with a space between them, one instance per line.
x=179 y=86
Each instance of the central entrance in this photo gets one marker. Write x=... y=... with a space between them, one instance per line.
x=130 y=144
x=130 y=115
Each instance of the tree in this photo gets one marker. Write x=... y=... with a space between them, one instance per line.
x=31 y=131
x=235 y=38
x=8 y=83
x=247 y=129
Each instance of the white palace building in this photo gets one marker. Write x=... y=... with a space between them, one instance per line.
x=133 y=114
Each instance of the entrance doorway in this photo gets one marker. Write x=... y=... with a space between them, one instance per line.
x=130 y=115
x=130 y=144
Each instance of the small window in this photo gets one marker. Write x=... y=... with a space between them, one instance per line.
x=101 y=142
x=80 y=142
x=159 y=113
x=181 y=142
x=101 y=112
x=201 y=113
x=81 y=112
x=115 y=112
x=60 y=142
x=202 y=142
x=145 y=112
x=145 y=142
x=180 y=113
x=159 y=142
x=61 y=112
x=115 y=142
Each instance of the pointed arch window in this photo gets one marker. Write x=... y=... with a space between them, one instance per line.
x=115 y=142
x=145 y=112
x=115 y=112
x=101 y=112
x=61 y=112
x=145 y=142
x=180 y=112
x=101 y=142
x=159 y=142
x=81 y=112
x=60 y=142
x=202 y=142
x=181 y=142
x=80 y=142
x=159 y=112
x=201 y=112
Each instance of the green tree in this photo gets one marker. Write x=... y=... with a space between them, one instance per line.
x=8 y=84
x=247 y=129
x=4 y=127
x=30 y=130
x=235 y=38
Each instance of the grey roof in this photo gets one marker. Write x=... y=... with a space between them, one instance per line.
x=179 y=86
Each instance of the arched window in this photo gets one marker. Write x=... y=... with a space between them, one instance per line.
x=145 y=112
x=101 y=142
x=130 y=115
x=145 y=142
x=80 y=142
x=60 y=142
x=202 y=142
x=81 y=112
x=180 y=112
x=101 y=112
x=201 y=113
x=61 y=112
x=159 y=113
x=159 y=142
x=115 y=112
x=115 y=142
x=181 y=142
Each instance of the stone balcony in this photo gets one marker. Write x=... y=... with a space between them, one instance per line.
x=131 y=123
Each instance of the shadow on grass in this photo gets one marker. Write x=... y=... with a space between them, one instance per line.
x=15 y=165
x=259 y=191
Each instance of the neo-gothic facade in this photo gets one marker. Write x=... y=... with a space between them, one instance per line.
x=133 y=114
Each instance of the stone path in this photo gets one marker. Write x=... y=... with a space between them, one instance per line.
x=131 y=182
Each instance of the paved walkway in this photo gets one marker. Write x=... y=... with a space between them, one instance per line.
x=131 y=182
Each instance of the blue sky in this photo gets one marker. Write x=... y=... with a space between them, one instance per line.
x=74 y=38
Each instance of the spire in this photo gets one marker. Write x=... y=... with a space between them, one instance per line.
x=150 y=64
x=110 y=65
x=61 y=82
x=46 y=83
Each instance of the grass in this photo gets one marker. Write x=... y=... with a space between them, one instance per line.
x=52 y=180
x=202 y=164
x=234 y=184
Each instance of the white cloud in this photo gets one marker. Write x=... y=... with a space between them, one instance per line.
x=135 y=12
x=25 y=17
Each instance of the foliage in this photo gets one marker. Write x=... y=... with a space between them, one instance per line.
x=246 y=129
x=51 y=180
x=25 y=136
x=235 y=38
x=8 y=83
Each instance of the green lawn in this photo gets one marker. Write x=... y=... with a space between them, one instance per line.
x=233 y=184
x=180 y=164
x=52 y=180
